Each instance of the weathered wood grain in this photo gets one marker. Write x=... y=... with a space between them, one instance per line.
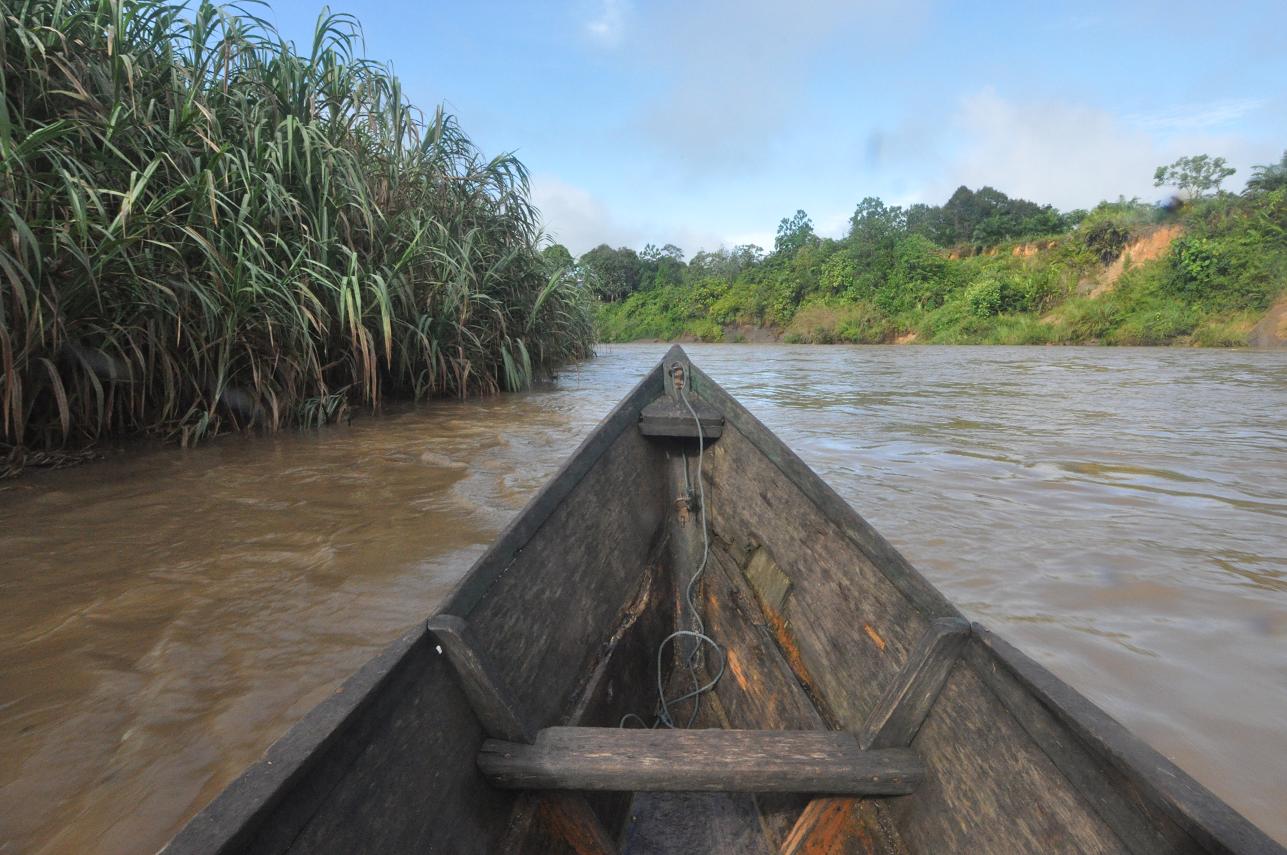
x=624 y=680
x=1015 y=760
x=1152 y=805
x=693 y=824
x=498 y=715
x=843 y=621
x=668 y=417
x=566 y=821
x=833 y=825
x=903 y=707
x=565 y=817
x=841 y=826
x=545 y=620
x=663 y=760
x=826 y=827
x=989 y=789
x=387 y=764
x=759 y=689
x=326 y=782
x=835 y=510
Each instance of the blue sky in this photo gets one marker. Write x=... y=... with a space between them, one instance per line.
x=704 y=123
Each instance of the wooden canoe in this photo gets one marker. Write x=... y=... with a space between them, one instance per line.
x=858 y=712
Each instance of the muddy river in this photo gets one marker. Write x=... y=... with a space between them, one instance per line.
x=1120 y=514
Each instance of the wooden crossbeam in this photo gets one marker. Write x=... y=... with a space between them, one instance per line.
x=902 y=709
x=495 y=710
x=567 y=815
x=668 y=417
x=760 y=761
x=828 y=825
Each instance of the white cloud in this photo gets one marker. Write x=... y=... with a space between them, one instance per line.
x=575 y=218
x=692 y=239
x=579 y=220
x=734 y=71
x=764 y=240
x=1190 y=117
x=834 y=224
x=1074 y=155
x=609 y=22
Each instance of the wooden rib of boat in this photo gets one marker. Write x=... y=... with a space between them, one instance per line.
x=858 y=712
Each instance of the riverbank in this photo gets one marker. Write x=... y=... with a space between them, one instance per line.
x=1207 y=273
x=339 y=249
x=822 y=327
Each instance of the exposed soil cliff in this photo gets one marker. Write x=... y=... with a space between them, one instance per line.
x=1272 y=329
x=1150 y=246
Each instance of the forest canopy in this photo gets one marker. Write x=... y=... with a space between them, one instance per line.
x=981 y=267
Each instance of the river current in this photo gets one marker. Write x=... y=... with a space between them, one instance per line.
x=1119 y=514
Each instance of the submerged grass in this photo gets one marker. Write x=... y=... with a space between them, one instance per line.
x=206 y=228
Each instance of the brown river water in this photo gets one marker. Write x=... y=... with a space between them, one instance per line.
x=1120 y=514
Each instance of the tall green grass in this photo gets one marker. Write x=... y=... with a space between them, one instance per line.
x=204 y=227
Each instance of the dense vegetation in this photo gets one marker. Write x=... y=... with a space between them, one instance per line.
x=982 y=268
x=205 y=228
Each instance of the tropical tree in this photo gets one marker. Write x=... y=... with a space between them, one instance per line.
x=873 y=221
x=1269 y=177
x=557 y=257
x=1197 y=175
x=794 y=233
x=614 y=274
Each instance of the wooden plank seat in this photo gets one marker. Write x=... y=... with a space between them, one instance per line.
x=669 y=417
x=663 y=760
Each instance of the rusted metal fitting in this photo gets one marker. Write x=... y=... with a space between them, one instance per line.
x=683 y=509
x=677 y=375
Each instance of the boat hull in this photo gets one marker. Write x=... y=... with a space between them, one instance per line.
x=820 y=619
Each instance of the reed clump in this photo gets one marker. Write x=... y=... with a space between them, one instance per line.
x=204 y=227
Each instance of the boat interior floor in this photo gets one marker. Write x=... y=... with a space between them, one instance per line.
x=709 y=787
x=730 y=823
x=664 y=823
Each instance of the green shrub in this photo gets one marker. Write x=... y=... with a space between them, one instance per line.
x=1084 y=319
x=704 y=329
x=1234 y=257
x=986 y=297
x=1227 y=331
x=865 y=324
x=1160 y=322
x=954 y=322
x=887 y=277
x=1021 y=329
x=1105 y=238
x=1222 y=273
x=207 y=230
x=920 y=279
x=828 y=323
x=1038 y=288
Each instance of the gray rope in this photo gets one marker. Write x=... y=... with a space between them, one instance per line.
x=698 y=633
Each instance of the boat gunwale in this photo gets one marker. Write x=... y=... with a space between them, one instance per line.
x=233 y=814
x=1203 y=816
x=1206 y=818
x=239 y=807
x=879 y=551
x=493 y=563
